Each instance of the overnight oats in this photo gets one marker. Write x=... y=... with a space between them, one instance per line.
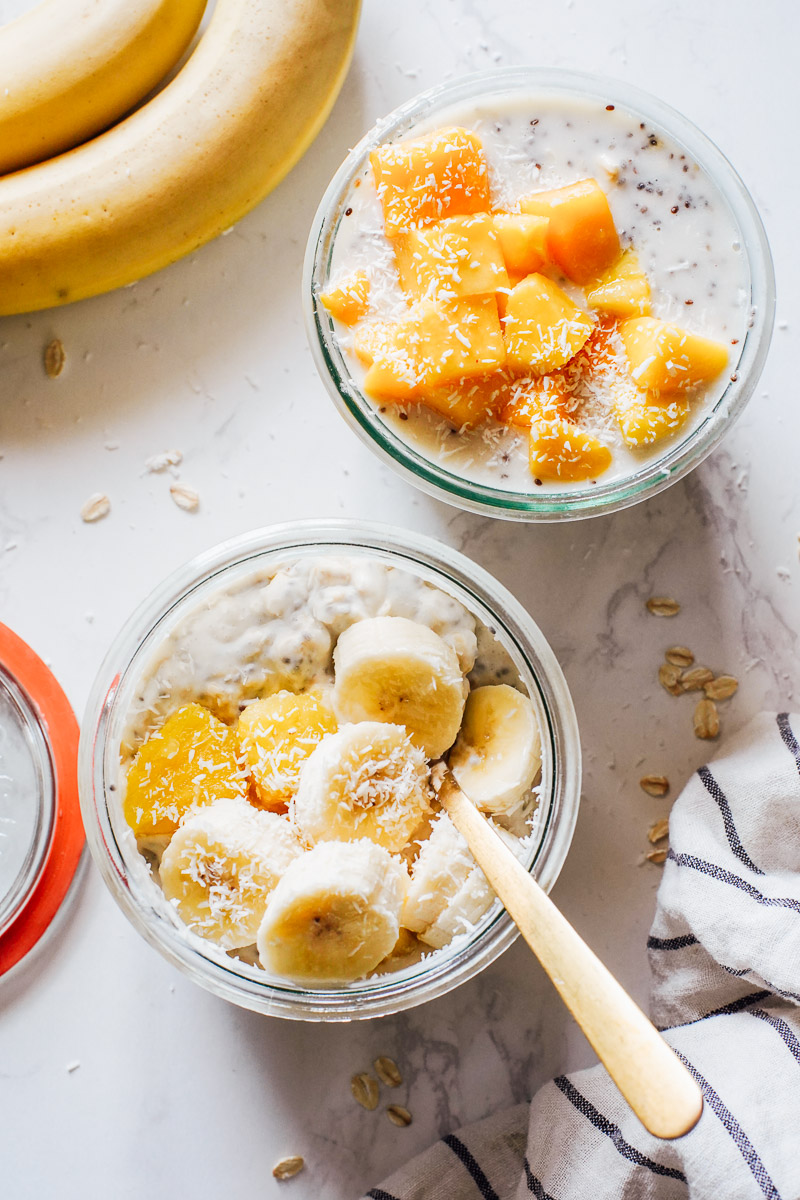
x=533 y=292
x=275 y=761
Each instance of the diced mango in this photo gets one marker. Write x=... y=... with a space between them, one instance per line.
x=190 y=761
x=666 y=358
x=581 y=238
x=562 y=451
x=373 y=338
x=350 y=300
x=643 y=419
x=530 y=400
x=523 y=241
x=622 y=290
x=437 y=344
x=276 y=736
x=543 y=328
x=459 y=256
x=442 y=175
x=468 y=402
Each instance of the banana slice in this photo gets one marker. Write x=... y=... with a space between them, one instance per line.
x=221 y=866
x=395 y=670
x=498 y=751
x=365 y=781
x=334 y=915
x=449 y=893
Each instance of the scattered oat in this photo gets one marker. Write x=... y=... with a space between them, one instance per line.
x=287 y=1167
x=657 y=832
x=185 y=497
x=706 y=719
x=388 y=1072
x=54 y=358
x=365 y=1090
x=398 y=1115
x=669 y=676
x=654 y=785
x=663 y=606
x=696 y=679
x=679 y=656
x=657 y=856
x=96 y=507
x=160 y=462
x=721 y=688
x=73 y=1066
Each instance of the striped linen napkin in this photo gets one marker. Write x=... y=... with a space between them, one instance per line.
x=725 y=956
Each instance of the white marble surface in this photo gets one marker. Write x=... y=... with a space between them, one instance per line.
x=176 y=1092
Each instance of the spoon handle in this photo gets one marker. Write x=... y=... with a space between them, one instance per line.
x=649 y=1075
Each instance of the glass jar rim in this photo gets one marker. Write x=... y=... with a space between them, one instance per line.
x=655 y=475
x=228 y=977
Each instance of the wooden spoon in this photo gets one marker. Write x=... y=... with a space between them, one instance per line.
x=652 y=1079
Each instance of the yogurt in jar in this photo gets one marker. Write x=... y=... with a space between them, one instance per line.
x=665 y=207
x=275 y=767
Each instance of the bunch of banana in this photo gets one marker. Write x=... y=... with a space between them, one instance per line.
x=184 y=167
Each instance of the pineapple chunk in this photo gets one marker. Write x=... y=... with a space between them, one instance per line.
x=523 y=240
x=622 y=290
x=350 y=300
x=459 y=256
x=190 y=761
x=665 y=358
x=436 y=344
x=560 y=450
x=644 y=419
x=543 y=328
x=530 y=400
x=581 y=238
x=442 y=175
x=276 y=736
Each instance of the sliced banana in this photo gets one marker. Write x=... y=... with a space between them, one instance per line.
x=395 y=670
x=449 y=893
x=221 y=866
x=334 y=915
x=365 y=781
x=497 y=754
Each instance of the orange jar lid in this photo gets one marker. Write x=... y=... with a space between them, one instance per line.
x=41 y=833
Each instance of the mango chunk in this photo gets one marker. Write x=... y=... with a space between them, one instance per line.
x=276 y=736
x=523 y=242
x=543 y=328
x=562 y=451
x=190 y=761
x=436 y=344
x=350 y=300
x=442 y=175
x=467 y=402
x=581 y=238
x=665 y=358
x=644 y=419
x=459 y=256
x=622 y=290
x=372 y=338
x=534 y=399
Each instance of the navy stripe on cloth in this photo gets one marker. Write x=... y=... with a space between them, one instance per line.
x=723 y=876
x=718 y=796
x=788 y=738
x=534 y=1186
x=740 y=1138
x=734 y=1007
x=676 y=943
x=380 y=1194
x=612 y=1131
x=773 y=987
x=470 y=1162
x=782 y=1028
